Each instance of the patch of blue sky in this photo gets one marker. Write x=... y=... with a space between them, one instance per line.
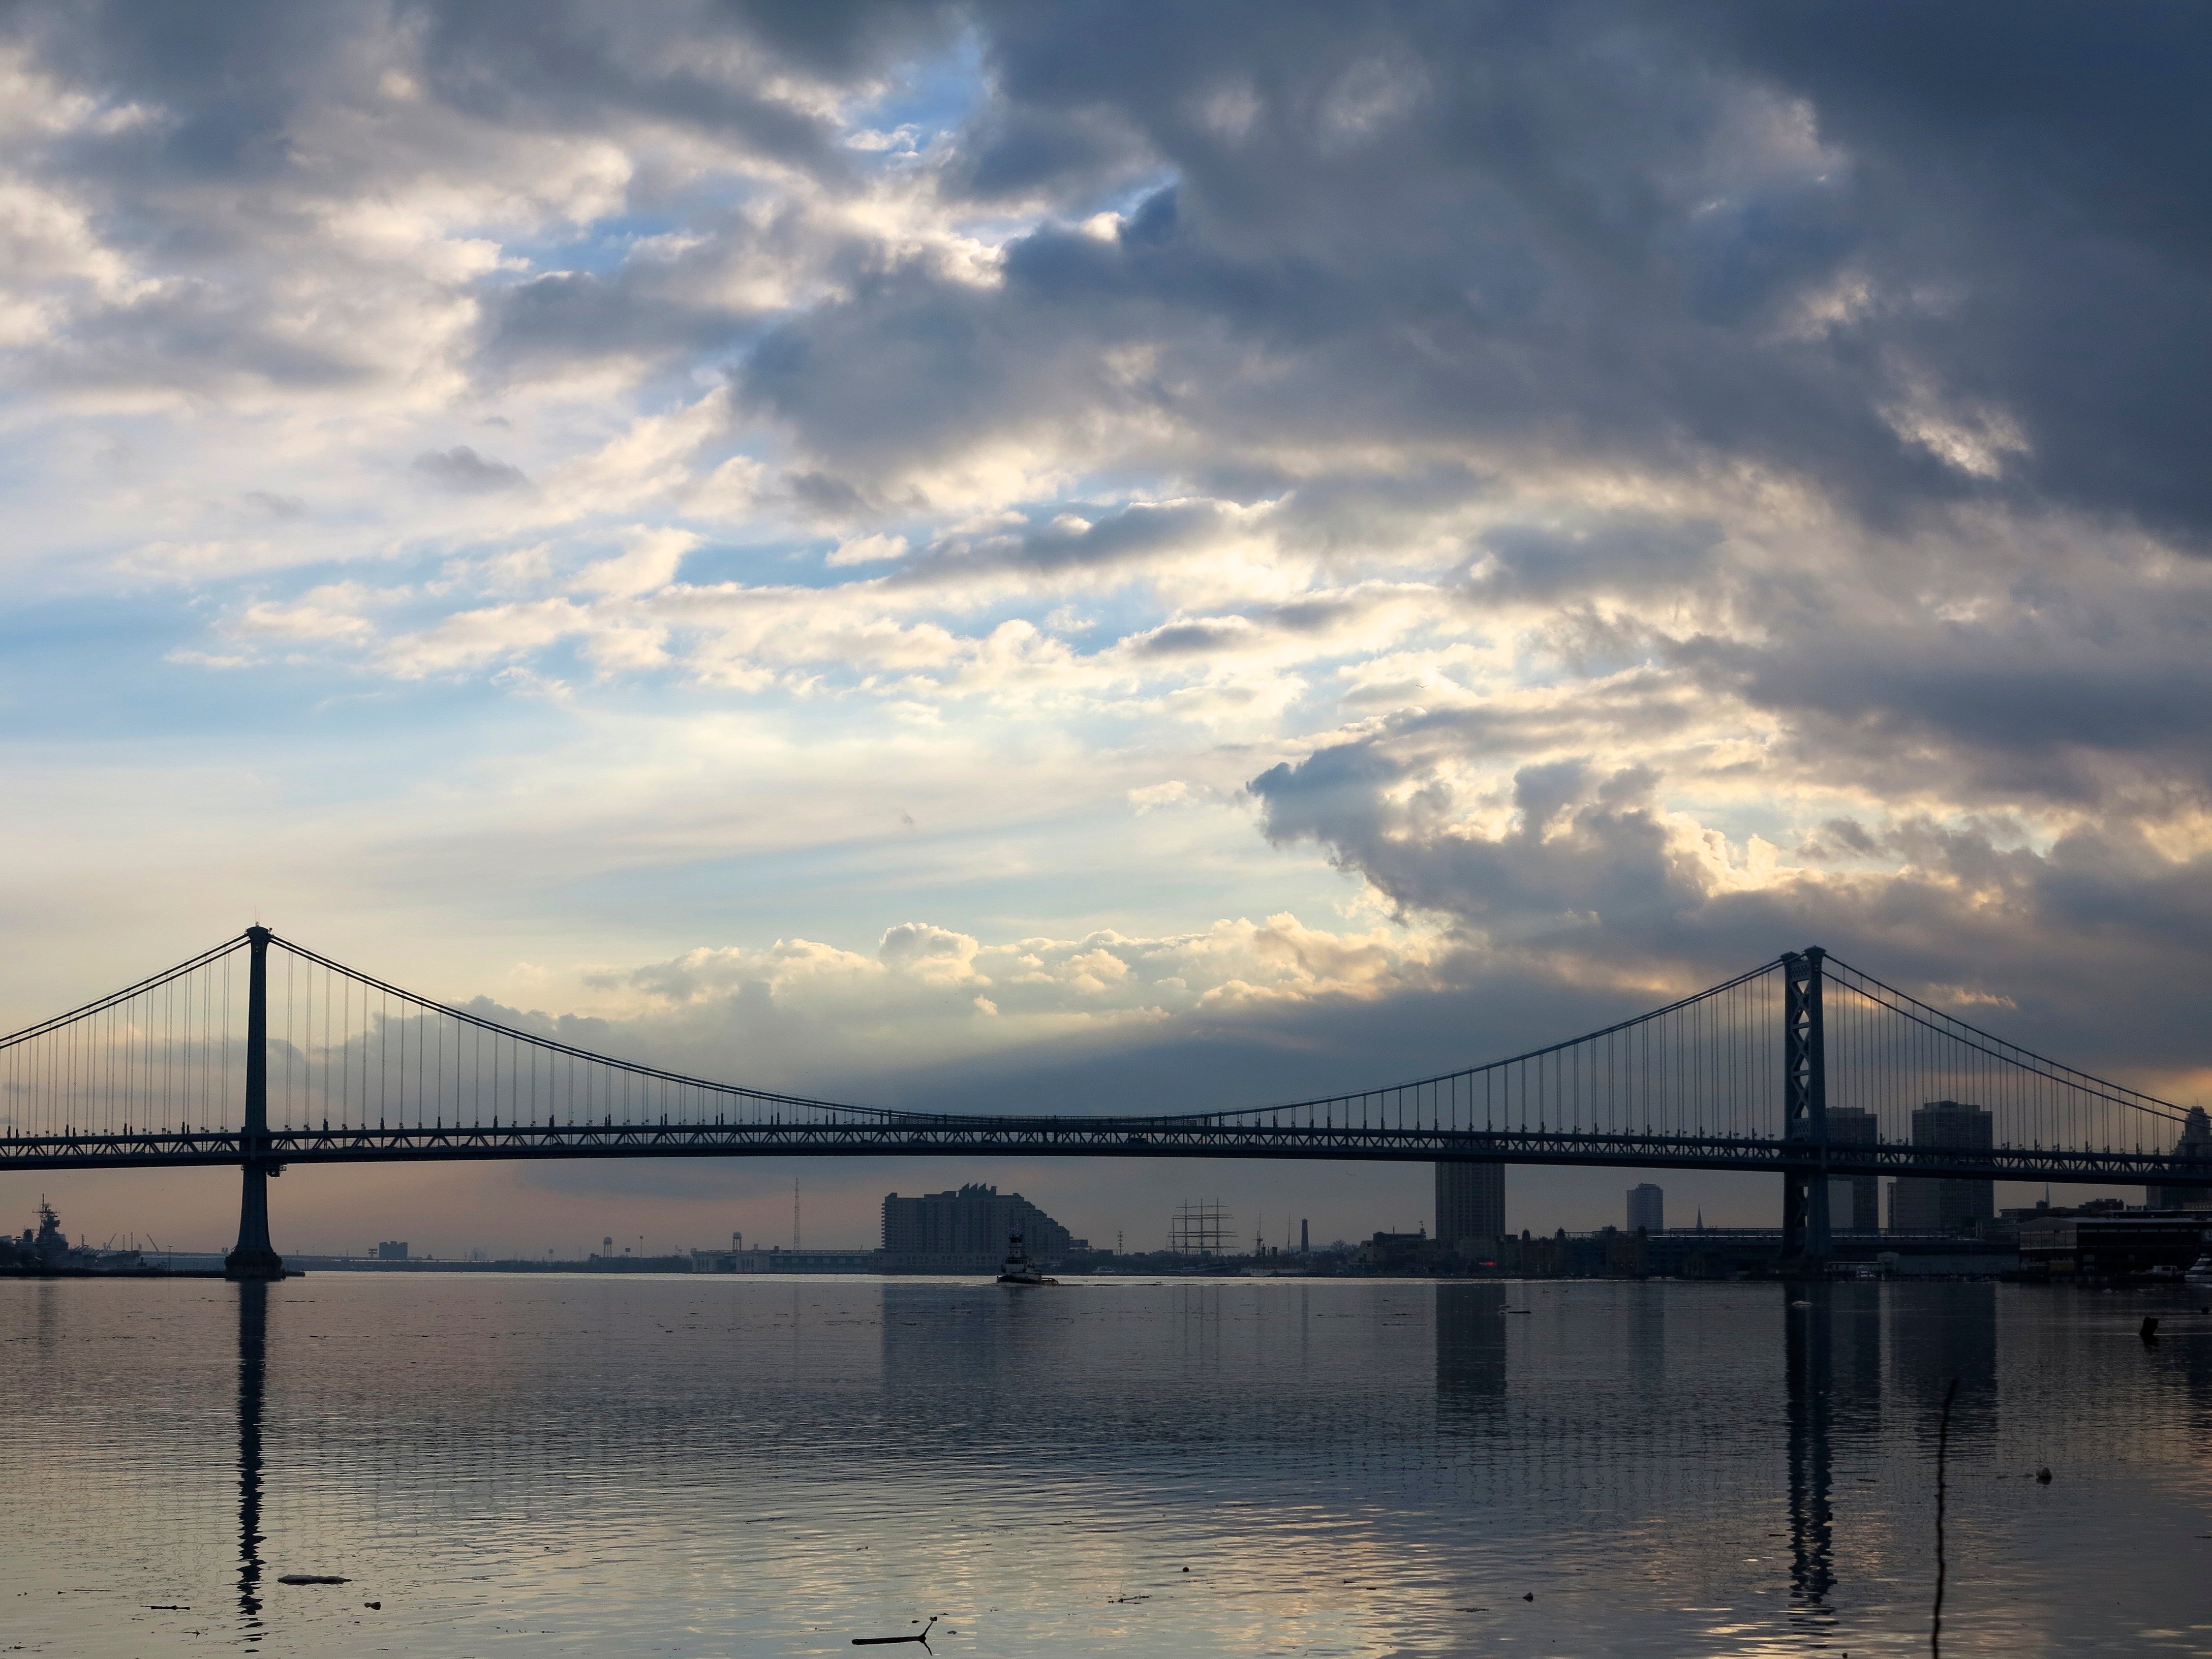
x=603 y=252
x=112 y=673
x=929 y=98
x=601 y=246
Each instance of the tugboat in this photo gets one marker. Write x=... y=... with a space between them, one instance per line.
x=1018 y=1268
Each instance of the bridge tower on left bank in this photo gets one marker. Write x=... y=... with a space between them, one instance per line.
x=255 y=1258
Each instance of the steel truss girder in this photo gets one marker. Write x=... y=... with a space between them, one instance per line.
x=1078 y=1136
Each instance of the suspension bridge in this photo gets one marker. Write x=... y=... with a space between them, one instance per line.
x=262 y=1052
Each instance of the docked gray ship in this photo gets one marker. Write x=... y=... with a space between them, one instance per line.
x=46 y=1249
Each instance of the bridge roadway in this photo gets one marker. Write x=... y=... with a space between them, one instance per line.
x=949 y=1135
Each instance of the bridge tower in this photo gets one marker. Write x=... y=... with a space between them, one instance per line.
x=1805 y=1234
x=254 y=1259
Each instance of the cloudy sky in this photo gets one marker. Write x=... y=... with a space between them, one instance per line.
x=1167 y=555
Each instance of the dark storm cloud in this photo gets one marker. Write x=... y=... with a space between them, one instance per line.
x=1216 y=636
x=2097 y=943
x=462 y=470
x=1025 y=150
x=573 y=65
x=196 y=337
x=574 y=315
x=1120 y=537
x=234 y=76
x=1189 y=639
x=917 y=366
x=2016 y=711
x=1636 y=553
x=1663 y=236
x=1584 y=850
x=1645 y=233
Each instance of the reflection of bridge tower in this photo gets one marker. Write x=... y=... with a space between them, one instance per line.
x=252 y=1370
x=1809 y=1363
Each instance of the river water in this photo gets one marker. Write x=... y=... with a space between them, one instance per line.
x=706 y=1466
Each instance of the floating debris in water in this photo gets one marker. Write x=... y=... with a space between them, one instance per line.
x=312 y=1578
x=893 y=1641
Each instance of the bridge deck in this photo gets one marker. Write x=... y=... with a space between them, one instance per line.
x=1078 y=1137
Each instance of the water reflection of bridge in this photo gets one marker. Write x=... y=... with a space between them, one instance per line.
x=1611 y=1409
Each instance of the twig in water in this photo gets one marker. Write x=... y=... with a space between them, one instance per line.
x=892 y=1641
x=1942 y=1455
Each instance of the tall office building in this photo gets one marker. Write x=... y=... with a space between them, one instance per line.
x=1933 y=1204
x=975 y=1221
x=1470 y=1202
x=1854 y=1201
x=2195 y=1142
x=1647 y=1208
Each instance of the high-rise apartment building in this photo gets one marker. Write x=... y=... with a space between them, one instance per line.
x=1939 y=1204
x=1470 y=1202
x=1854 y=1201
x=2196 y=1143
x=976 y=1222
x=1647 y=1209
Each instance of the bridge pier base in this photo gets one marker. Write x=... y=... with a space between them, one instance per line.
x=254 y=1258
x=1806 y=1228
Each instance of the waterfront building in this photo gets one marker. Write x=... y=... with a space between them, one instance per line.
x=1398 y=1253
x=1647 y=1208
x=1470 y=1205
x=2115 y=1244
x=955 y=1230
x=1935 y=1204
x=2195 y=1142
x=774 y=1260
x=392 y=1249
x=1854 y=1201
